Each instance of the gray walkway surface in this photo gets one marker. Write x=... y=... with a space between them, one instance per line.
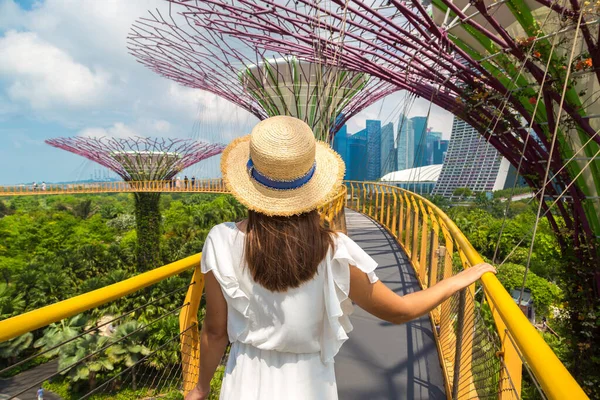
x=381 y=360
x=11 y=386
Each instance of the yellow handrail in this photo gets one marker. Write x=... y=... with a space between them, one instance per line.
x=32 y=320
x=547 y=369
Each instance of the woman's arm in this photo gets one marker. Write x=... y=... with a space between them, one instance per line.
x=213 y=338
x=379 y=300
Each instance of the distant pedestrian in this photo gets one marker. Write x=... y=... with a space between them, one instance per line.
x=193 y=182
x=171 y=182
x=43 y=185
x=186 y=181
x=40 y=394
x=35 y=186
x=178 y=182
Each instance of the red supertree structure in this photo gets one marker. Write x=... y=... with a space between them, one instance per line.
x=142 y=159
x=195 y=53
x=525 y=74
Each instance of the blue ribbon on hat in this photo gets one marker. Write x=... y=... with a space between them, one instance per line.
x=277 y=184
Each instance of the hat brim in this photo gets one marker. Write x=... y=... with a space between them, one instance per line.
x=324 y=184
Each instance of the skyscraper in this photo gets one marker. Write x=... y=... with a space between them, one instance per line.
x=340 y=144
x=470 y=162
x=420 y=141
x=373 y=150
x=356 y=165
x=405 y=143
x=388 y=153
x=440 y=147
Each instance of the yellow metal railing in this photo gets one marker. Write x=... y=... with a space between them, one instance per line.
x=199 y=186
x=36 y=319
x=435 y=247
x=479 y=359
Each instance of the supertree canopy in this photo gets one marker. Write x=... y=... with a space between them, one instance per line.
x=524 y=73
x=142 y=159
x=191 y=50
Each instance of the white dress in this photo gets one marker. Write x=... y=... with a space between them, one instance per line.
x=283 y=344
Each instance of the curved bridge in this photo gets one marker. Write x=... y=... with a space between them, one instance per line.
x=472 y=346
x=196 y=186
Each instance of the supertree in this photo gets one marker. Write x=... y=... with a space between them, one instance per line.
x=264 y=82
x=526 y=75
x=142 y=159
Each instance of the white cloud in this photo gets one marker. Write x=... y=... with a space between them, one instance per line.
x=47 y=77
x=118 y=130
x=199 y=103
x=11 y=15
x=162 y=126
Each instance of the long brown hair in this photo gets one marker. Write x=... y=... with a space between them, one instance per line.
x=284 y=252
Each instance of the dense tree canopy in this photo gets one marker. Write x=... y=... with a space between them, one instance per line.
x=56 y=247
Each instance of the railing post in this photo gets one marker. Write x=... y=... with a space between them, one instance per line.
x=382 y=204
x=407 y=227
x=371 y=193
x=189 y=332
x=414 y=254
x=460 y=323
x=364 y=195
x=389 y=203
x=393 y=228
x=424 y=237
x=401 y=224
x=433 y=258
x=466 y=387
x=447 y=335
x=511 y=375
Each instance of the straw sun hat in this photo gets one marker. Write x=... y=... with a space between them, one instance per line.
x=280 y=169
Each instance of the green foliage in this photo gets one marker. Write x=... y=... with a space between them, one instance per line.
x=11 y=301
x=60 y=332
x=543 y=293
x=462 y=192
x=492 y=234
x=56 y=247
x=84 y=361
x=505 y=193
x=12 y=348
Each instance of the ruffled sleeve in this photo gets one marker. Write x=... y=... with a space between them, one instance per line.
x=216 y=258
x=338 y=305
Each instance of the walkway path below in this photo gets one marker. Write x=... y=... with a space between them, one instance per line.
x=11 y=386
x=380 y=360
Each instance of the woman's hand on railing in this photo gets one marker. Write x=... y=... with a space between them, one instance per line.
x=473 y=274
x=197 y=394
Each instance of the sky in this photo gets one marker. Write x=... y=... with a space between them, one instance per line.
x=65 y=71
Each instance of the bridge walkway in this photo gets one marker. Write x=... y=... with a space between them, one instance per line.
x=381 y=360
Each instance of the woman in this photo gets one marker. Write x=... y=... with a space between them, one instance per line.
x=279 y=286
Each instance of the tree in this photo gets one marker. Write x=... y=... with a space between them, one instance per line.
x=11 y=349
x=60 y=332
x=129 y=347
x=462 y=192
x=543 y=293
x=86 y=359
x=11 y=302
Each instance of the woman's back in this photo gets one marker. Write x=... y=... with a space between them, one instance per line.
x=311 y=318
